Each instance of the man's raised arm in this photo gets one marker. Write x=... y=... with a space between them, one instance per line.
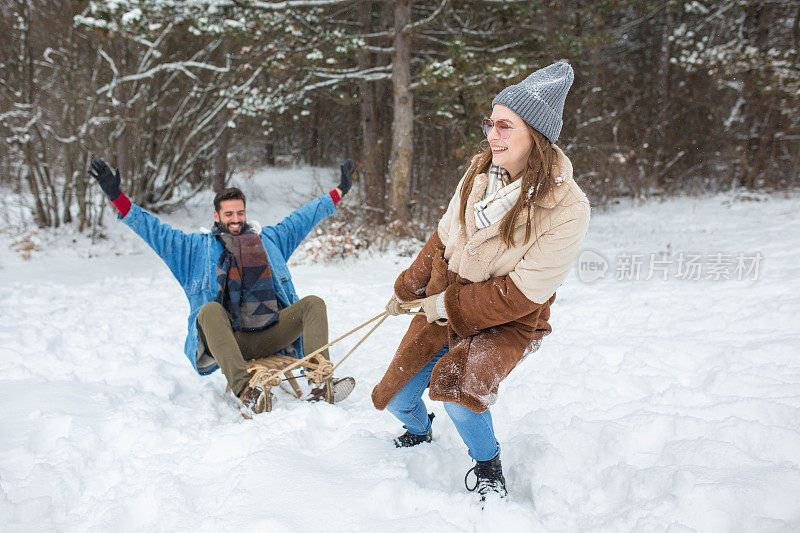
x=288 y=233
x=173 y=246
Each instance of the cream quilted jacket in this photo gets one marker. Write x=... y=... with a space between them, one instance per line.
x=537 y=267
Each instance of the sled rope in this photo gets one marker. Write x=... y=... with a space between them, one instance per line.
x=383 y=316
x=271 y=377
x=264 y=376
x=408 y=306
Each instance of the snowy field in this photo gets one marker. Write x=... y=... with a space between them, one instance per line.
x=655 y=405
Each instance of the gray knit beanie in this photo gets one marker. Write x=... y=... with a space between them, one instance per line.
x=539 y=98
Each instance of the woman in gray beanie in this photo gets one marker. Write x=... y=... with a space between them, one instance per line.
x=489 y=273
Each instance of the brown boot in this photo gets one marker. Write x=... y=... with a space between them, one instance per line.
x=256 y=399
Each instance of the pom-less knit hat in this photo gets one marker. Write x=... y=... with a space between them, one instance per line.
x=539 y=98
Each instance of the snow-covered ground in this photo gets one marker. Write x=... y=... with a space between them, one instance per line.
x=654 y=406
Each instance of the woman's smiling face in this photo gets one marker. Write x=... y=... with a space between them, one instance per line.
x=511 y=142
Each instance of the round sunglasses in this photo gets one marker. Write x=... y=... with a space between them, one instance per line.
x=503 y=127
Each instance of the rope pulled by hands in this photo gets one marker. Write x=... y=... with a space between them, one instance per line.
x=414 y=304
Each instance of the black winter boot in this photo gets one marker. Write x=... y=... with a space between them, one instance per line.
x=490 y=478
x=406 y=440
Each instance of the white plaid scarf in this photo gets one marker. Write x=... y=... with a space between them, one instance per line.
x=499 y=198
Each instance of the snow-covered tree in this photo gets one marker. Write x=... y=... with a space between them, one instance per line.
x=750 y=50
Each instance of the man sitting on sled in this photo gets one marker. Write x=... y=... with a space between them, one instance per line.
x=243 y=304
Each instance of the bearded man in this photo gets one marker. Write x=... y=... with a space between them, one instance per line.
x=242 y=302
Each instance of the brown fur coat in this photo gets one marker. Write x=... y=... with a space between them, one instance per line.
x=497 y=298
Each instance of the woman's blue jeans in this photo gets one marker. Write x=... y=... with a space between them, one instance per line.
x=476 y=429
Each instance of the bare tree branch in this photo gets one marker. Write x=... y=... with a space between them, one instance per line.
x=182 y=66
x=280 y=6
x=427 y=20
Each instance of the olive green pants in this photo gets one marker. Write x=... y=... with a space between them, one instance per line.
x=307 y=317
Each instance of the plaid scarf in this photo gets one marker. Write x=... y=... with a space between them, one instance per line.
x=499 y=198
x=244 y=281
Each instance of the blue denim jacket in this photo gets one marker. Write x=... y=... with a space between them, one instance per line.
x=192 y=259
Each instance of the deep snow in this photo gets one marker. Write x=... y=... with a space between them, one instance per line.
x=654 y=405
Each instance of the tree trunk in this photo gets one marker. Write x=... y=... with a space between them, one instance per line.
x=42 y=218
x=84 y=206
x=373 y=180
x=665 y=100
x=312 y=155
x=221 y=158
x=71 y=175
x=755 y=33
x=269 y=152
x=123 y=145
x=403 y=119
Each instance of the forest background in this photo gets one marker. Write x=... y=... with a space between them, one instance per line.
x=670 y=97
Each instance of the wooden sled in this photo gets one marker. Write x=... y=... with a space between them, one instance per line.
x=272 y=370
x=269 y=371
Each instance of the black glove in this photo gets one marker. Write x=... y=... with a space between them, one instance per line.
x=347 y=176
x=108 y=180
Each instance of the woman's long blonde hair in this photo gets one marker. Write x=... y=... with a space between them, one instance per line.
x=537 y=183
